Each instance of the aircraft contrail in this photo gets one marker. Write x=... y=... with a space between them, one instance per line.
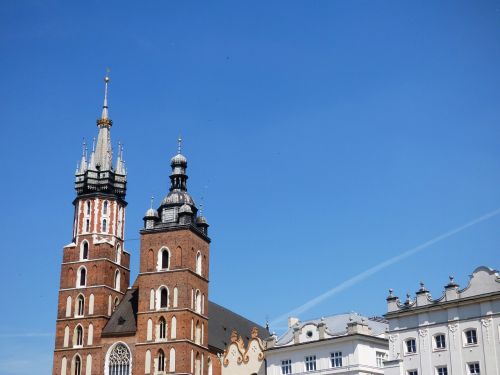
x=370 y=271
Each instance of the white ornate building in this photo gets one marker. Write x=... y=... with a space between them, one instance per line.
x=339 y=344
x=244 y=359
x=456 y=334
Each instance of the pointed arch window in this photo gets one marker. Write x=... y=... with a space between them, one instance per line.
x=118 y=254
x=161 y=361
x=88 y=207
x=119 y=360
x=80 y=305
x=163 y=328
x=78 y=366
x=163 y=259
x=104 y=225
x=78 y=339
x=87 y=225
x=85 y=250
x=117 y=280
x=198 y=263
x=164 y=298
x=197 y=302
x=82 y=277
x=116 y=303
x=105 y=208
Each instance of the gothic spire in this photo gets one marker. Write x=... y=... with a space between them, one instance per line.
x=103 y=152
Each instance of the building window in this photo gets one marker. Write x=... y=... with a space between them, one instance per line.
x=442 y=370
x=471 y=337
x=380 y=358
x=198 y=263
x=164 y=260
x=119 y=360
x=286 y=366
x=474 y=368
x=413 y=372
x=78 y=366
x=411 y=346
x=80 y=305
x=440 y=341
x=163 y=328
x=104 y=225
x=161 y=361
x=87 y=225
x=105 y=208
x=311 y=363
x=117 y=280
x=85 y=250
x=164 y=298
x=118 y=254
x=82 y=277
x=88 y=207
x=336 y=359
x=79 y=336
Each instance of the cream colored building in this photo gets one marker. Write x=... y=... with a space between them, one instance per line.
x=241 y=359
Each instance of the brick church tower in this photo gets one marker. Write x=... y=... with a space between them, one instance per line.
x=95 y=267
x=164 y=323
x=173 y=282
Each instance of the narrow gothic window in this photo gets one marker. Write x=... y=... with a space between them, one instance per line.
x=117 y=280
x=88 y=207
x=164 y=259
x=163 y=328
x=78 y=366
x=104 y=225
x=116 y=304
x=80 y=305
x=161 y=360
x=85 y=251
x=79 y=336
x=164 y=298
x=82 y=277
x=198 y=263
x=118 y=254
x=197 y=302
x=87 y=225
x=119 y=361
x=105 y=208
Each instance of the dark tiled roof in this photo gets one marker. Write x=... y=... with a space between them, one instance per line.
x=221 y=322
x=123 y=321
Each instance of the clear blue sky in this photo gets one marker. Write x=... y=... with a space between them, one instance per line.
x=325 y=136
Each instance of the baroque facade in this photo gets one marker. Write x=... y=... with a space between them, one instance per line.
x=164 y=323
x=338 y=344
x=455 y=334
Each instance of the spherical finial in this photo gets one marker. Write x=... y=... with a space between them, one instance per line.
x=179 y=144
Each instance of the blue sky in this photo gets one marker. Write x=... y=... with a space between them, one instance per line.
x=325 y=138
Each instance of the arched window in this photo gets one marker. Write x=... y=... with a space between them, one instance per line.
x=77 y=368
x=66 y=337
x=149 y=332
x=161 y=361
x=82 y=277
x=197 y=302
x=173 y=328
x=88 y=207
x=90 y=334
x=197 y=335
x=87 y=225
x=88 y=365
x=80 y=305
x=176 y=296
x=198 y=263
x=210 y=371
x=163 y=259
x=85 y=250
x=68 y=306
x=172 y=360
x=119 y=360
x=163 y=298
x=147 y=362
x=91 y=304
x=118 y=254
x=78 y=336
x=104 y=225
x=163 y=328
x=197 y=365
x=105 y=208
x=115 y=305
x=64 y=364
x=117 y=280
x=152 y=299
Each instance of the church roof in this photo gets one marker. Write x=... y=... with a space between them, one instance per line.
x=221 y=323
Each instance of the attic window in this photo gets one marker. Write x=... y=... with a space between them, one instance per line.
x=309 y=334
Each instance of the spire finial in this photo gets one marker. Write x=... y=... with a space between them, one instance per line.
x=84 y=148
x=179 y=144
x=104 y=120
x=201 y=206
x=152 y=201
x=93 y=144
